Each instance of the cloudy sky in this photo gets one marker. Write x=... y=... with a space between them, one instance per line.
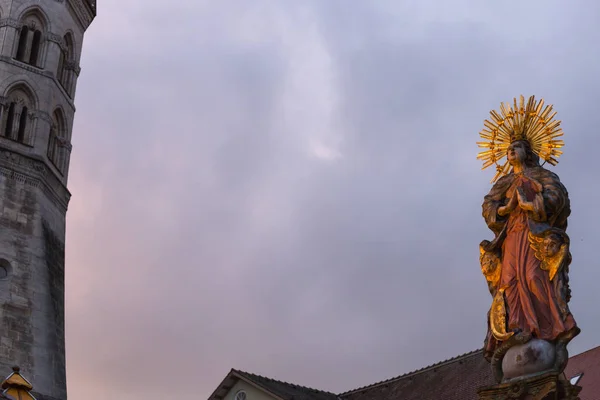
x=291 y=188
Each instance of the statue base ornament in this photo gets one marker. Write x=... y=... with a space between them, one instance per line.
x=526 y=265
x=550 y=386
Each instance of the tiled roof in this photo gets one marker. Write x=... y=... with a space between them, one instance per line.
x=457 y=378
x=287 y=391
x=454 y=379
x=588 y=365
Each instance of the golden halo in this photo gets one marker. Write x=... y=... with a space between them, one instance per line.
x=520 y=122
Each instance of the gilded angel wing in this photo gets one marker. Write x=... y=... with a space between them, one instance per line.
x=536 y=246
x=552 y=265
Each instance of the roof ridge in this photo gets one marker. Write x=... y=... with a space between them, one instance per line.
x=294 y=385
x=414 y=372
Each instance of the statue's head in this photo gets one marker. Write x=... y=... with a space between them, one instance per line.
x=552 y=244
x=489 y=259
x=519 y=152
x=489 y=263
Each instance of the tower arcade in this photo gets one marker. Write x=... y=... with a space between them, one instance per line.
x=40 y=48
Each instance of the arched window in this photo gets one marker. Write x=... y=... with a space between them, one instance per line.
x=57 y=141
x=10 y=120
x=35 y=47
x=17 y=116
x=65 y=71
x=29 y=48
x=22 y=125
x=24 y=34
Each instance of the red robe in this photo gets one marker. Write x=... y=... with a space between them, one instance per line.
x=532 y=301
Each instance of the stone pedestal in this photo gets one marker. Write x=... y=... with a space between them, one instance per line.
x=525 y=360
x=550 y=386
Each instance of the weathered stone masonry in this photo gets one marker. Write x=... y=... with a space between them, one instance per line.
x=40 y=49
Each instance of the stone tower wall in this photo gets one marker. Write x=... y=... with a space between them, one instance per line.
x=40 y=49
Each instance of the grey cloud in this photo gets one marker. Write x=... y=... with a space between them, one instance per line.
x=206 y=233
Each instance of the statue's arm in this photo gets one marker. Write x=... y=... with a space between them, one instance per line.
x=556 y=201
x=495 y=206
x=494 y=212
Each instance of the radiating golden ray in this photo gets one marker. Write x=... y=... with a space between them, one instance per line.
x=532 y=121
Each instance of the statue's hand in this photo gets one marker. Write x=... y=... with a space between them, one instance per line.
x=510 y=206
x=523 y=203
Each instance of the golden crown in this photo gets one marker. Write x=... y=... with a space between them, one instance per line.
x=532 y=122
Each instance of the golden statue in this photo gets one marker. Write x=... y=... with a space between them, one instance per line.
x=526 y=264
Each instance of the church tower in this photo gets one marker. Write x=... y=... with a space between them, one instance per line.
x=40 y=48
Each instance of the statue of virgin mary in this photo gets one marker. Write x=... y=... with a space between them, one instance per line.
x=527 y=262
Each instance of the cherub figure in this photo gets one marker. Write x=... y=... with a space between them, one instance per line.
x=552 y=249
x=490 y=266
x=552 y=244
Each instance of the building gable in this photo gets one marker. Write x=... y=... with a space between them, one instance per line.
x=234 y=382
x=259 y=387
x=252 y=392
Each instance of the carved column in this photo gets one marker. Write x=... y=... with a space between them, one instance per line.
x=54 y=50
x=70 y=79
